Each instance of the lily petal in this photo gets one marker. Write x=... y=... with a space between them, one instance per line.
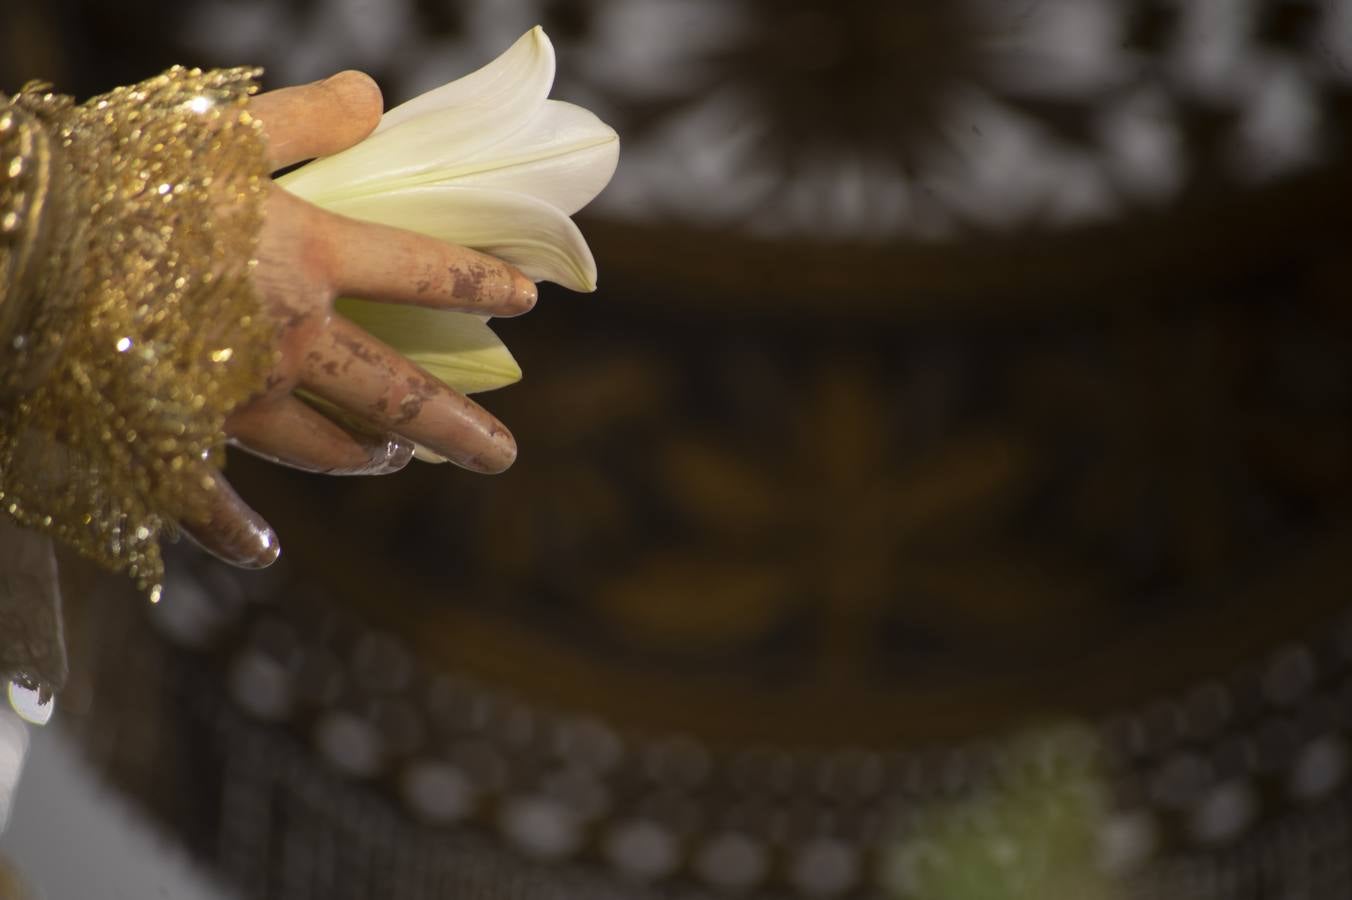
x=564 y=156
x=526 y=67
x=434 y=131
x=458 y=348
x=528 y=233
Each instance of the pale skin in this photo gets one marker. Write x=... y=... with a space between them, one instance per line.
x=307 y=258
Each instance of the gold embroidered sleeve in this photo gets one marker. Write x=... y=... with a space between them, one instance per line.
x=129 y=324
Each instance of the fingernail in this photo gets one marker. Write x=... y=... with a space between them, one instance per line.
x=253 y=545
x=266 y=548
x=397 y=454
x=382 y=457
x=524 y=293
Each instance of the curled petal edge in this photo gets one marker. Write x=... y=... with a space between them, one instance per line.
x=529 y=233
x=457 y=348
x=435 y=130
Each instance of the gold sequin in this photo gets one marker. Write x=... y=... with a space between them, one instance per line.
x=124 y=277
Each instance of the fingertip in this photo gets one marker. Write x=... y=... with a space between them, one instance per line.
x=358 y=96
x=504 y=447
x=524 y=293
x=509 y=293
x=491 y=452
x=267 y=549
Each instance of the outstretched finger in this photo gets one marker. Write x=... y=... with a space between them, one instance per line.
x=317 y=119
x=358 y=373
x=290 y=432
x=380 y=262
x=228 y=528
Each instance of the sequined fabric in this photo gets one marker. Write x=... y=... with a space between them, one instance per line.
x=128 y=321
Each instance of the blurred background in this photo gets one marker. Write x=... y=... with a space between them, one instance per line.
x=946 y=494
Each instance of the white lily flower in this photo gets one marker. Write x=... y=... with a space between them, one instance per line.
x=488 y=162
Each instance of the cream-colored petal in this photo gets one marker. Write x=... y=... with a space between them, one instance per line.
x=528 y=233
x=564 y=156
x=431 y=133
x=458 y=348
x=525 y=67
x=422 y=454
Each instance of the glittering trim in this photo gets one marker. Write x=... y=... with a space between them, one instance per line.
x=129 y=320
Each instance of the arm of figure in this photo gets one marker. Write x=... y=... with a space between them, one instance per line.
x=307 y=258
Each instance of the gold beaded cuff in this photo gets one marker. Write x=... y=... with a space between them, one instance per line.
x=25 y=184
x=129 y=324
